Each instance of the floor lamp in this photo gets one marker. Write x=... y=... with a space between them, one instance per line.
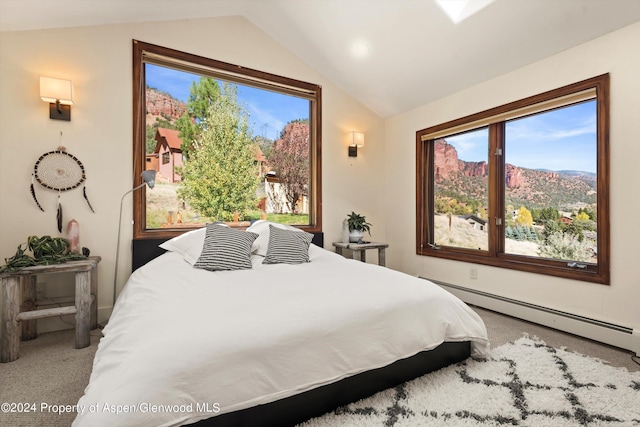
x=149 y=178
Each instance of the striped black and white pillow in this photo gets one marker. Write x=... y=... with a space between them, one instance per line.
x=287 y=247
x=226 y=248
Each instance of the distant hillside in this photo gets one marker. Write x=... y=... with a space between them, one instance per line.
x=563 y=190
x=588 y=177
x=162 y=105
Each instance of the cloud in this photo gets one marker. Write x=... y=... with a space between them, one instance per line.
x=262 y=121
x=560 y=139
x=471 y=146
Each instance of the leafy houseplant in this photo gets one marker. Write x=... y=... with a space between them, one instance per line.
x=357 y=226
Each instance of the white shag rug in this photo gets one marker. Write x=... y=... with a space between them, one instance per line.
x=524 y=383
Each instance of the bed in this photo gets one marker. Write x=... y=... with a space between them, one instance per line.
x=269 y=344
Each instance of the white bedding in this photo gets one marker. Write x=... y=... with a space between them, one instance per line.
x=185 y=344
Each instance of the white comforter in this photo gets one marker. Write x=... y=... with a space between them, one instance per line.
x=185 y=344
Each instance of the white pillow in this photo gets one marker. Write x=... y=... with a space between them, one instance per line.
x=188 y=244
x=262 y=228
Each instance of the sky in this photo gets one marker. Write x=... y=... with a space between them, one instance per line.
x=268 y=111
x=562 y=139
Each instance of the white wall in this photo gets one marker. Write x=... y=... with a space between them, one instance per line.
x=99 y=62
x=379 y=183
x=617 y=53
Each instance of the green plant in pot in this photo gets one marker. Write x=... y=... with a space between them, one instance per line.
x=357 y=226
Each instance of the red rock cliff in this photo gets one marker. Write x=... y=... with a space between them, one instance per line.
x=164 y=106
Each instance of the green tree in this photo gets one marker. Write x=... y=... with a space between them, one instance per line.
x=593 y=215
x=550 y=227
x=265 y=144
x=546 y=214
x=576 y=229
x=531 y=234
x=508 y=232
x=586 y=224
x=535 y=215
x=202 y=95
x=151 y=142
x=220 y=176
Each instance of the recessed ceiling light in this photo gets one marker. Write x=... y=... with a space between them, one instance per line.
x=360 y=49
x=459 y=10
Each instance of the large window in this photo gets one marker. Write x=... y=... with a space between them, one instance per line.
x=521 y=186
x=228 y=144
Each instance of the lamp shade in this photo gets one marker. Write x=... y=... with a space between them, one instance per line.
x=56 y=90
x=356 y=139
x=149 y=176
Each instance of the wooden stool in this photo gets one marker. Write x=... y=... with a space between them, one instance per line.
x=20 y=304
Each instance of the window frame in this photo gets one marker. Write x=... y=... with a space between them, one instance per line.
x=496 y=256
x=236 y=74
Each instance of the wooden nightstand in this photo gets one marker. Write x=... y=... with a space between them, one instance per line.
x=360 y=248
x=20 y=305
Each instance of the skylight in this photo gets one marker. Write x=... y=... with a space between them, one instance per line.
x=459 y=10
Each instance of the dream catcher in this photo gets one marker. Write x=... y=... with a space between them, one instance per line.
x=59 y=171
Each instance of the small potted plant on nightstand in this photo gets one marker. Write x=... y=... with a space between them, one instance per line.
x=357 y=226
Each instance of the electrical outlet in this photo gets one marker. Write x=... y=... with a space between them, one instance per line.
x=473 y=273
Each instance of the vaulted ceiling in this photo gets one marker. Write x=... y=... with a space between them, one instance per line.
x=392 y=55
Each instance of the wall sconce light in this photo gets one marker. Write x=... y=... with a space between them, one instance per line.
x=59 y=94
x=356 y=140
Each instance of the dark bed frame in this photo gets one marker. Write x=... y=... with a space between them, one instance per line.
x=144 y=250
x=313 y=403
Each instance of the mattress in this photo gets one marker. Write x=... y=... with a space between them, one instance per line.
x=185 y=344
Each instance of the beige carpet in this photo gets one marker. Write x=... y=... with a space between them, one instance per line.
x=51 y=373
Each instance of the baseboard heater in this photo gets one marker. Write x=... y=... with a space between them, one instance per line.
x=597 y=330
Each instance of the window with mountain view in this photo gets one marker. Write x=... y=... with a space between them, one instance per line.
x=227 y=143
x=461 y=190
x=521 y=186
